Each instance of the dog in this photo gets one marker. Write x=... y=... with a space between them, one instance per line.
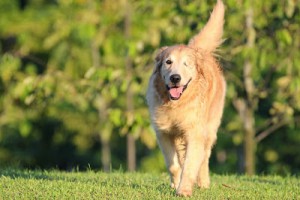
x=185 y=96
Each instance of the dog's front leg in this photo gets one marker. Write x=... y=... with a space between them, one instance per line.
x=194 y=158
x=166 y=144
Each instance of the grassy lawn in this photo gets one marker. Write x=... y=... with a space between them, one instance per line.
x=24 y=184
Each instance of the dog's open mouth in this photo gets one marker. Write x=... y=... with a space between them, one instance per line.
x=175 y=92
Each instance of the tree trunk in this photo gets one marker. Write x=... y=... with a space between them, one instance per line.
x=249 y=141
x=249 y=104
x=131 y=151
x=246 y=113
x=106 y=155
x=104 y=139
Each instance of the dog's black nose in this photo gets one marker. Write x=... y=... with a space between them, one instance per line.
x=175 y=78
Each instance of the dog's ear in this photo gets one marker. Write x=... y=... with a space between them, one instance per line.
x=159 y=54
x=210 y=37
x=159 y=58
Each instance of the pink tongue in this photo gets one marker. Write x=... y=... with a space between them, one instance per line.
x=176 y=92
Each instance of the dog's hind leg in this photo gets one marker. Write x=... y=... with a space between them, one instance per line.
x=166 y=144
x=203 y=174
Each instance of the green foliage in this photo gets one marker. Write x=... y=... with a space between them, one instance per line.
x=153 y=163
x=274 y=74
x=91 y=185
x=63 y=79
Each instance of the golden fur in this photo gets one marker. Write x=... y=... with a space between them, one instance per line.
x=186 y=114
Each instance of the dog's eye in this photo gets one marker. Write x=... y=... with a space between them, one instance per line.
x=169 y=62
x=187 y=64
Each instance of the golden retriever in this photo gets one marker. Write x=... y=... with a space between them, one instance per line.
x=186 y=98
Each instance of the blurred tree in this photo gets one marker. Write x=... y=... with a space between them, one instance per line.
x=131 y=150
x=265 y=89
x=73 y=37
x=64 y=100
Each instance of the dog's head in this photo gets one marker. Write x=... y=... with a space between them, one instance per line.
x=177 y=67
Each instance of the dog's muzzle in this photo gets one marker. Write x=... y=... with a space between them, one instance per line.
x=175 y=92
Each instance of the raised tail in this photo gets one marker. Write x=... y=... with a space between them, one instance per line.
x=210 y=37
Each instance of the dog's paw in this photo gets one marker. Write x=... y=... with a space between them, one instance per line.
x=184 y=192
x=204 y=183
x=174 y=185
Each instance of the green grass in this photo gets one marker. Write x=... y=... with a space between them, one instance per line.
x=25 y=184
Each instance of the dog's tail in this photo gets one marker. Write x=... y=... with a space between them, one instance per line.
x=210 y=37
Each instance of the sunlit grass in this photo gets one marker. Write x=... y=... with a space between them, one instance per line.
x=24 y=184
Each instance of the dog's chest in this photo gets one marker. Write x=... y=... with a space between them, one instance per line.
x=173 y=121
